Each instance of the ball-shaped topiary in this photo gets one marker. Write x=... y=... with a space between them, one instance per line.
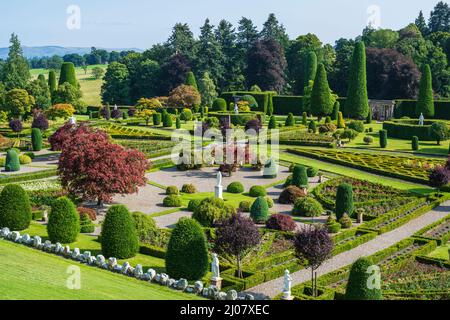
x=12 y=161
x=219 y=105
x=235 y=187
x=63 y=222
x=245 y=206
x=145 y=227
x=290 y=120
x=187 y=251
x=344 y=200
x=172 y=190
x=188 y=188
x=172 y=201
x=357 y=288
x=357 y=126
x=345 y=221
x=257 y=191
x=193 y=204
x=24 y=159
x=300 y=177
x=211 y=210
x=259 y=212
x=36 y=139
x=281 y=222
x=290 y=195
x=415 y=143
x=307 y=207
x=119 y=238
x=15 y=208
x=311 y=172
x=272 y=123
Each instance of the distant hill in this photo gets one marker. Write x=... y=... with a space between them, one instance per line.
x=47 y=51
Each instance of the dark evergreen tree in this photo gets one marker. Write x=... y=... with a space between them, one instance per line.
x=440 y=18
x=425 y=103
x=344 y=200
x=310 y=68
x=67 y=74
x=190 y=80
x=116 y=85
x=272 y=29
x=321 y=100
x=15 y=71
x=421 y=24
x=357 y=104
x=358 y=280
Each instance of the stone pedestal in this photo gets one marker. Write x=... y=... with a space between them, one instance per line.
x=218 y=192
x=287 y=296
x=217 y=282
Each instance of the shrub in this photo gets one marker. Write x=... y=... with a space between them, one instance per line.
x=327 y=119
x=357 y=126
x=12 y=161
x=63 y=222
x=344 y=200
x=383 y=138
x=345 y=221
x=257 y=191
x=193 y=204
x=415 y=143
x=15 y=208
x=307 y=207
x=119 y=238
x=24 y=159
x=290 y=195
x=187 y=252
x=272 y=123
x=186 y=115
x=327 y=127
x=211 y=210
x=269 y=202
x=251 y=101
x=357 y=288
x=333 y=227
x=304 y=119
x=439 y=132
x=340 y=121
x=357 y=103
x=259 y=212
x=349 y=134
x=172 y=201
x=188 y=188
x=368 y=140
x=312 y=126
x=36 y=139
x=167 y=120
x=219 y=105
x=86 y=225
x=145 y=227
x=178 y=123
x=157 y=119
x=82 y=211
x=335 y=114
x=311 y=172
x=425 y=102
x=290 y=121
x=245 y=206
x=235 y=187
x=281 y=222
x=172 y=190
x=300 y=177
x=2 y=161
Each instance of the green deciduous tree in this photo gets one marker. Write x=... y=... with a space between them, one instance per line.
x=116 y=85
x=18 y=103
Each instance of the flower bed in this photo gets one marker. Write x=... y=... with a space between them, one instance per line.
x=151 y=148
x=439 y=231
x=303 y=138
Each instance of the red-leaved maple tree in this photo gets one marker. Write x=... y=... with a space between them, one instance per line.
x=93 y=168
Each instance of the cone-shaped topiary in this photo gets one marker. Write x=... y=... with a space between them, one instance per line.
x=290 y=120
x=156 y=119
x=369 y=116
x=336 y=108
x=425 y=102
x=63 y=222
x=357 y=103
x=344 y=200
x=310 y=68
x=259 y=211
x=383 y=138
x=358 y=282
x=190 y=80
x=52 y=83
x=321 y=102
x=415 y=143
x=12 y=161
x=119 y=237
x=15 y=208
x=178 y=123
x=68 y=74
x=219 y=105
x=304 y=119
x=272 y=122
x=340 y=121
x=187 y=252
x=270 y=106
x=36 y=139
x=300 y=177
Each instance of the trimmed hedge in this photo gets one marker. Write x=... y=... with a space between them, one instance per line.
x=307 y=207
x=187 y=251
x=406 y=129
x=259 y=212
x=63 y=222
x=257 y=191
x=15 y=208
x=407 y=108
x=235 y=187
x=283 y=105
x=236 y=119
x=262 y=98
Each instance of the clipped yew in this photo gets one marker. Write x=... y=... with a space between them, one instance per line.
x=63 y=222
x=15 y=208
x=344 y=201
x=259 y=212
x=358 y=282
x=36 y=139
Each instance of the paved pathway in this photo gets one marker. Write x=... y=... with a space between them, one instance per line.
x=273 y=288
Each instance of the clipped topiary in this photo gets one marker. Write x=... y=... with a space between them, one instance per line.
x=188 y=188
x=335 y=114
x=172 y=201
x=178 y=123
x=245 y=206
x=36 y=139
x=269 y=202
x=145 y=227
x=281 y=222
x=24 y=159
x=358 y=280
x=172 y=190
x=211 y=210
x=219 y=105
x=304 y=119
x=290 y=195
x=312 y=126
x=15 y=208
x=12 y=161
x=187 y=251
x=357 y=126
x=344 y=200
x=425 y=102
x=312 y=172
x=345 y=221
x=119 y=238
x=157 y=119
x=383 y=138
x=332 y=225
x=257 y=191
x=272 y=122
x=235 y=187
x=63 y=222
x=167 y=120
x=415 y=143
x=290 y=120
x=86 y=225
x=259 y=212
x=193 y=204
x=340 y=121
x=300 y=177
x=307 y=207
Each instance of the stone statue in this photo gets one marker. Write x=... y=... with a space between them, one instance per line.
x=236 y=108
x=287 y=282
x=115 y=107
x=215 y=266
x=219 y=178
x=73 y=120
x=421 y=119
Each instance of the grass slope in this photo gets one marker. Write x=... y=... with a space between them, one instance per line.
x=28 y=274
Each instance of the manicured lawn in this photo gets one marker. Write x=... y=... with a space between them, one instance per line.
x=441 y=252
x=90 y=243
x=26 y=273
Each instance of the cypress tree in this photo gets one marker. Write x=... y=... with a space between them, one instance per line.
x=64 y=221
x=340 y=121
x=383 y=138
x=270 y=106
x=336 y=109
x=304 y=119
x=187 y=251
x=310 y=68
x=52 y=84
x=259 y=211
x=344 y=200
x=300 y=177
x=357 y=286
x=36 y=139
x=425 y=103
x=272 y=122
x=12 y=162
x=15 y=208
x=156 y=119
x=357 y=100
x=290 y=120
x=321 y=102
x=415 y=143
x=178 y=122
x=369 y=116
x=190 y=80
x=68 y=74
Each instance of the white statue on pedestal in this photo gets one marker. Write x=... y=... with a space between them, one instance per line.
x=219 y=188
x=287 y=285
x=421 y=119
x=73 y=120
x=215 y=269
x=236 y=108
x=115 y=107
x=219 y=178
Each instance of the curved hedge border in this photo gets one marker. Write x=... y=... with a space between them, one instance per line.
x=406 y=129
x=29 y=176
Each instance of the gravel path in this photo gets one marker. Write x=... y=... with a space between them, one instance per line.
x=273 y=288
x=169 y=221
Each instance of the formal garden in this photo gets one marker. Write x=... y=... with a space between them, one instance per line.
x=285 y=188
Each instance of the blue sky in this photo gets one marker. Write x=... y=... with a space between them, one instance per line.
x=140 y=23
